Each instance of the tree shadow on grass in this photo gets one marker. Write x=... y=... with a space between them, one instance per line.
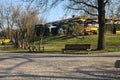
x=59 y=38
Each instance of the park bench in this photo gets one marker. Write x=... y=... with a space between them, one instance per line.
x=79 y=47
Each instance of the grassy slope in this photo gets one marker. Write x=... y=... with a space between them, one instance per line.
x=56 y=43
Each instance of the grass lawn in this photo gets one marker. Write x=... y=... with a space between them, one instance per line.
x=56 y=43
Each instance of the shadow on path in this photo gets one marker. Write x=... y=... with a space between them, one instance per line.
x=97 y=74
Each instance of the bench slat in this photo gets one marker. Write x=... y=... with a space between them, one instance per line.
x=77 y=47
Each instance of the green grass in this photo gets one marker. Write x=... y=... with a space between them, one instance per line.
x=56 y=43
x=10 y=48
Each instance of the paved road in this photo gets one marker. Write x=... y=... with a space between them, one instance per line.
x=27 y=66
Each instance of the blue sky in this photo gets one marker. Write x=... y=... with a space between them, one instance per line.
x=53 y=15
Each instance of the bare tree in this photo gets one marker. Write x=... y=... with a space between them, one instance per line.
x=98 y=7
x=17 y=22
x=26 y=21
x=8 y=13
x=2 y=21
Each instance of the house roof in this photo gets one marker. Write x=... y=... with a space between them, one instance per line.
x=82 y=19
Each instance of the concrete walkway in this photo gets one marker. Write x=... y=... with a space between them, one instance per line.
x=30 y=66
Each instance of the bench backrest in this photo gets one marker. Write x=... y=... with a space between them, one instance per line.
x=77 y=46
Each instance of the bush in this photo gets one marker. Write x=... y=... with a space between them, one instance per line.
x=110 y=27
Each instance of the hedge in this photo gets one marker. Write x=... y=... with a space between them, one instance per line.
x=111 y=27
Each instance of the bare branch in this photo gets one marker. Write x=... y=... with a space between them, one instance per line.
x=87 y=4
x=88 y=12
x=106 y=1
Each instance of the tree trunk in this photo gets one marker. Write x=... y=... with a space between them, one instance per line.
x=16 y=42
x=101 y=18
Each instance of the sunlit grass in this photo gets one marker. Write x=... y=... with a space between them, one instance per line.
x=56 y=43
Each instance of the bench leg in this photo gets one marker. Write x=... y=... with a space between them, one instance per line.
x=89 y=51
x=63 y=50
x=43 y=49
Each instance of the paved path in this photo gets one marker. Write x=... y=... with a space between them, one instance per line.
x=26 y=66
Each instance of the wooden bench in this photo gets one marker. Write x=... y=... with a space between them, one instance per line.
x=80 y=47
